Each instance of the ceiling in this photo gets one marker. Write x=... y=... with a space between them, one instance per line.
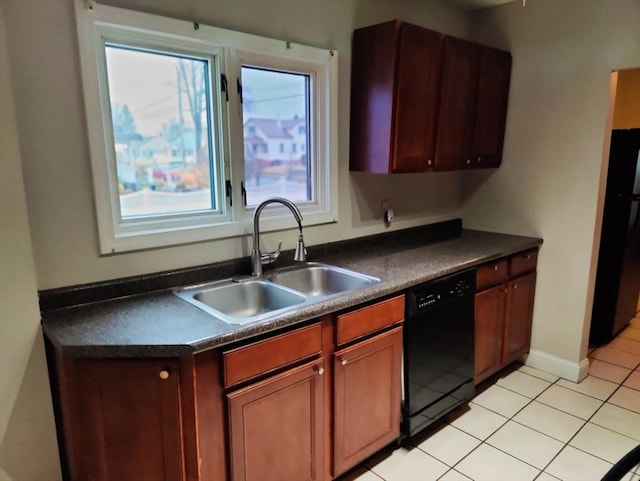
x=477 y=4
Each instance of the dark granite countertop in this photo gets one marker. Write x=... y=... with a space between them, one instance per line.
x=159 y=324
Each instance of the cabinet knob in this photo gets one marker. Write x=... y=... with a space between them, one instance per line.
x=468 y=161
x=429 y=162
x=479 y=159
x=320 y=370
x=343 y=361
x=515 y=286
x=164 y=374
x=495 y=268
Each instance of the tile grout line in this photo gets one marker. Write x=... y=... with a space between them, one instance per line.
x=501 y=426
x=588 y=420
x=567 y=443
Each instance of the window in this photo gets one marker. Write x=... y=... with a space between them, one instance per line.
x=170 y=158
x=176 y=169
x=279 y=101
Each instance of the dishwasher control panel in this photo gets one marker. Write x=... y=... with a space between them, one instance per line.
x=441 y=290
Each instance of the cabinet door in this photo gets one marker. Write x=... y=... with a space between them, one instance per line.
x=125 y=418
x=416 y=98
x=366 y=398
x=520 y=314
x=373 y=63
x=491 y=112
x=489 y=324
x=276 y=427
x=457 y=104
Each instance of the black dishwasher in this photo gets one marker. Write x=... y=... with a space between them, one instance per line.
x=438 y=349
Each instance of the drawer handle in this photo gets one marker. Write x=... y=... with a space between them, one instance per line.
x=164 y=374
x=343 y=361
x=320 y=370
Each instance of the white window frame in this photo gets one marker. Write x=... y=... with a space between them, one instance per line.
x=227 y=51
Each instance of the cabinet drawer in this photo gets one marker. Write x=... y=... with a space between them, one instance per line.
x=369 y=319
x=491 y=274
x=268 y=355
x=524 y=262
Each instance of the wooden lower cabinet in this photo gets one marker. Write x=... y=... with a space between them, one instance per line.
x=320 y=419
x=306 y=404
x=109 y=395
x=489 y=323
x=521 y=291
x=503 y=312
x=136 y=418
x=276 y=427
x=366 y=398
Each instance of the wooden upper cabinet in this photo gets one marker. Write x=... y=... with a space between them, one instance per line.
x=418 y=83
x=491 y=111
x=473 y=105
x=422 y=101
x=457 y=104
x=394 y=93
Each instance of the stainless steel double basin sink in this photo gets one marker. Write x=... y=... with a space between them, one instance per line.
x=251 y=300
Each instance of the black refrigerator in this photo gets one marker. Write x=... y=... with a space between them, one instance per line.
x=618 y=276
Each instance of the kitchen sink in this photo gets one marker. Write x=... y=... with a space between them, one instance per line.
x=243 y=302
x=321 y=280
x=248 y=300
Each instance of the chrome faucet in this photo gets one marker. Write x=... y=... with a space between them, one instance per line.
x=258 y=259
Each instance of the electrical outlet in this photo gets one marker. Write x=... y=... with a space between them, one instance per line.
x=387 y=212
x=388 y=217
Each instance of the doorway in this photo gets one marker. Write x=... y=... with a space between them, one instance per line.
x=617 y=287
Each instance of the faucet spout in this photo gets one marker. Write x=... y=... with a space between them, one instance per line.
x=257 y=259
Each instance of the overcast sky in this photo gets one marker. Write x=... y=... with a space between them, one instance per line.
x=147 y=84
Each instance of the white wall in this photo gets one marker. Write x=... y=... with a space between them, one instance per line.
x=28 y=449
x=549 y=183
x=44 y=152
x=53 y=137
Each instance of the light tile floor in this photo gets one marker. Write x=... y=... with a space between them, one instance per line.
x=529 y=424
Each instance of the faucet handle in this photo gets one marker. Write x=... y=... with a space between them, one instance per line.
x=271 y=257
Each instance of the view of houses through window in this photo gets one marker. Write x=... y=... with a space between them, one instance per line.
x=160 y=110
x=276 y=135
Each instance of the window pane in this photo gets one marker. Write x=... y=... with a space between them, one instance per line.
x=275 y=110
x=160 y=106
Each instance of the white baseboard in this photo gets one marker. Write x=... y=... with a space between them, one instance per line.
x=571 y=371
